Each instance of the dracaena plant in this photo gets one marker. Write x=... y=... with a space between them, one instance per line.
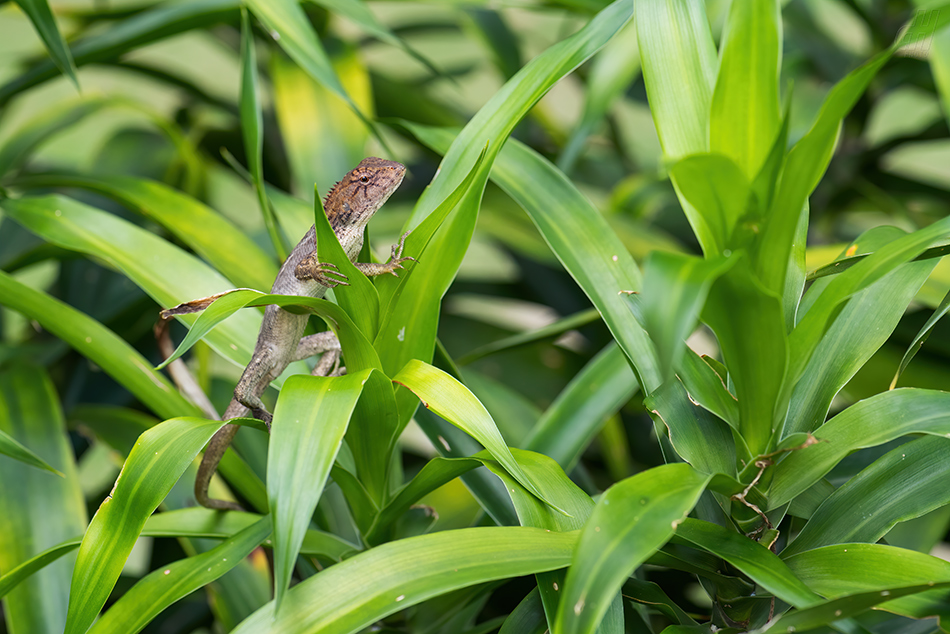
x=743 y=503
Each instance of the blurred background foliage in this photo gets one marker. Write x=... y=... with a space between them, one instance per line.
x=164 y=106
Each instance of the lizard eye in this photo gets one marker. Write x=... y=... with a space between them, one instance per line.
x=364 y=179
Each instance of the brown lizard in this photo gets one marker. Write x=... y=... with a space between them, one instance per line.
x=349 y=206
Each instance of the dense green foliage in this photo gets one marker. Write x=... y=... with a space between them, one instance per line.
x=591 y=185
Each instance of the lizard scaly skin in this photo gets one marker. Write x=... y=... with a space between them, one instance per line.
x=349 y=206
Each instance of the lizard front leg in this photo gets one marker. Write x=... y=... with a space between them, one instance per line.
x=310 y=268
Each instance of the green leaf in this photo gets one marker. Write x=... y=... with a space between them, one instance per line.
x=451 y=400
x=808 y=160
x=10 y=447
x=223 y=245
x=751 y=558
x=527 y=618
x=744 y=115
x=197 y=522
x=170 y=583
x=310 y=419
x=148 y=26
x=806 y=336
x=630 y=522
x=849 y=569
x=45 y=25
x=940 y=66
x=868 y=423
x=580 y=238
x=156 y=462
x=549 y=332
x=674 y=291
x=568 y=426
x=37 y=509
x=698 y=437
x=749 y=323
x=865 y=323
x=707 y=388
x=252 y=132
x=98 y=344
x=719 y=192
x=362 y=590
x=903 y=484
x=679 y=70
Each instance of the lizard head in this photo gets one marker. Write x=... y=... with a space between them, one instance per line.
x=361 y=193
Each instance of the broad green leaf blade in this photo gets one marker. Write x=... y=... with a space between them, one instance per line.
x=719 y=193
x=527 y=618
x=223 y=245
x=846 y=569
x=167 y=273
x=751 y=558
x=148 y=26
x=744 y=115
x=940 y=66
x=675 y=287
x=865 y=323
x=806 y=336
x=679 y=71
x=358 y=592
x=252 y=132
x=867 y=423
x=170 y=583
x=707 y=388
x=580 y=238
x=37 y=509
x=748 y=321
x=98 y=344
x=630 y=522
x=373 y=435
x=832 y=611
x=156 y=462
x=808 y=160
x=905 y=483
x=310 y=419
x=568 y=426
x=288 y=23
x=45 y=25
x=698 y=437
x=194 y=522
x=451 y=400
x=9 y=446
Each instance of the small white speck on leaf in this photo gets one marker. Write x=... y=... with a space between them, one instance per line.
x=837 y=612
x=556 y=587
x=400 y=597
x=167 y=572
x=58 y=212
x=445 y=443
x=401 y=335
x=88 y=339
x=597 y=529
x=578 y=607
x=615 y=258
x=885 y=593
x=275 y=35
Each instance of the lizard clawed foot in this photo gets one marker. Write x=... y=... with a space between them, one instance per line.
x=312 y=269
x=396 y=258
